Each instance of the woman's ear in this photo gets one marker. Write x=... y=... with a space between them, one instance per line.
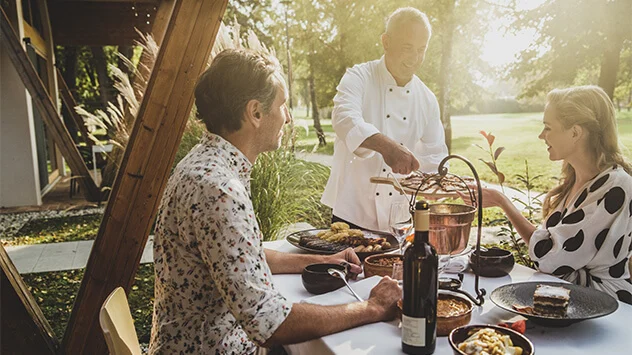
x=577 y=132
x=253 y=113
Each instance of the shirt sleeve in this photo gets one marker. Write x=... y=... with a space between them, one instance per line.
x=230 y=244
x=347 y=120
x=592 y=234
x=431 y=148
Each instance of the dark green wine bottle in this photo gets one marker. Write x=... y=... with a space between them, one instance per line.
x=419 y=314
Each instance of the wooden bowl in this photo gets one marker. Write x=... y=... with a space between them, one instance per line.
x=316 y=279
x=459 y=334
x=446 y=323
x=374 y=264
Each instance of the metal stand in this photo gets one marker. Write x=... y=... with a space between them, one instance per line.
x=450 y=283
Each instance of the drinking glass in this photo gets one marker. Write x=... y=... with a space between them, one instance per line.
x=398 y=270
x=439 y=239
x=401 y=222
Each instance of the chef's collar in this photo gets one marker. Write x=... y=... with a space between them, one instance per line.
x=388 y=77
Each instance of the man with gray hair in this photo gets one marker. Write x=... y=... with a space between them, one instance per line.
x=383 y=107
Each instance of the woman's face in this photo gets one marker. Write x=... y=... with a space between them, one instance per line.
x=559 y=140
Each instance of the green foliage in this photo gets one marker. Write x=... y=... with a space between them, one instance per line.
x=55 y=294
x=287 y=190
x=55 y=230
x=190 y=137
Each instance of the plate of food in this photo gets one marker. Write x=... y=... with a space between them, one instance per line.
x=554 y=304
x=340 y=237
x=429 y=185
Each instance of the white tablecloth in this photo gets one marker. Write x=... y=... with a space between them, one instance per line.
x=610 y=335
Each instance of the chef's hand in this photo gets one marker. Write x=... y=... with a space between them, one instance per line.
x=400 y=159
x=347 y=256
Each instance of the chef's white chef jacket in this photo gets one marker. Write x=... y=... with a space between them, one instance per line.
x=369 y=101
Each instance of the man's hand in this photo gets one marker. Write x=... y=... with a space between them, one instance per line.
x=348 y=256
x=384 y=297
x=400 y=159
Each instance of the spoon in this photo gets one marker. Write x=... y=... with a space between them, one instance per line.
x=341 y=275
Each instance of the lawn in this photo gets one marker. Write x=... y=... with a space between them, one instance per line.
x=518 y=133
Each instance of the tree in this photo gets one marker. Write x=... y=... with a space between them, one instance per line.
x=577 y=41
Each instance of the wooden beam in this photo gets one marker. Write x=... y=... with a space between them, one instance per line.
x=69 y=101
x=144 y=170
x=23 y=328
x=47 y=109
x=73 y=22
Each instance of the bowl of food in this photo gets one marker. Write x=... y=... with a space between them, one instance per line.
x=488 y=339
x=317 y=280
x=494 y=262
x=380 y=264
x=453 y=310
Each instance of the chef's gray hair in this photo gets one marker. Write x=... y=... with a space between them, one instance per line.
x=407 y=14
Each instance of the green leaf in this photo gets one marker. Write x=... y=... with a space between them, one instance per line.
x=498 y=151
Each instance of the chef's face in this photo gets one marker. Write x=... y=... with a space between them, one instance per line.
x=404 y=50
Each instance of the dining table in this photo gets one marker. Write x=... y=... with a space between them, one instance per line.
x=608 y=335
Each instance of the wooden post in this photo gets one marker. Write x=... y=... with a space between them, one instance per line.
x=47 y=109
x=24 y=330
x=69 y=101
x=145 y=167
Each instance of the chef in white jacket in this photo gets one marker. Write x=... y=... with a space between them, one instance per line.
x=386 y=120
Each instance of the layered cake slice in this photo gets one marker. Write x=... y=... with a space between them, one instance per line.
x=551 y=300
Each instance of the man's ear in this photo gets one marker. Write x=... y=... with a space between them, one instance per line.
x=385 y=40
x=254 y=113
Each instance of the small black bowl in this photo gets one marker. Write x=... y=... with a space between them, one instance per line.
x=494 y=262
x=459 y=334
x=317 y=280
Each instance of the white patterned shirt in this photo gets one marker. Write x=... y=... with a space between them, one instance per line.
x=589 y=242
x=214 y=292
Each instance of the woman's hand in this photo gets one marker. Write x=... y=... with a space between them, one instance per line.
x=491 y=197
x=346 y=256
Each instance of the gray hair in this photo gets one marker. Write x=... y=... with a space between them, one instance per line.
x=407 y=14
x=235 y=77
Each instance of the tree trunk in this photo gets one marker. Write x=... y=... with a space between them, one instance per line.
x=444 y=75
x=128 y=52
x=610 y=67
x=101 y=65
x=315 y=115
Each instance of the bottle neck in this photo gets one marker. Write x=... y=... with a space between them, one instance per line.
x=422 y=224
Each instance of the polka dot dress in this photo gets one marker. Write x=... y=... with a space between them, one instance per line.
x=589 y=242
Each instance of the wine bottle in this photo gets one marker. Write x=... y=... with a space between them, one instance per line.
x=419 y=313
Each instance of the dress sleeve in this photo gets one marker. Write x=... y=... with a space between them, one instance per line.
x=431 y=148
x=347 y=120
x=592 y=233
x=230 y=244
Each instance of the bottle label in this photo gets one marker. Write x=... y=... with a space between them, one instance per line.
x=413 y=331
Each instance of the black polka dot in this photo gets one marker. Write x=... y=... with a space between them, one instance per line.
x=630 y=247
x=601 y=237
x=574 y=217
x=581 y=198
x=630 y=208
x=614 y=199
x=537 y=264
x=542 y=247
x=574 y=243
x=596 y=279
x=554 y=219
x=617 y=270
x=624 y=296
x=599 y=183
x=563 y=270
x=617 y=246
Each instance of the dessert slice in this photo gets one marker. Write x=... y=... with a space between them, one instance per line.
x=551 y=301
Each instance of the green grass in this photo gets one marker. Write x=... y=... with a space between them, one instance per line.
x=54 y=230
x=517 y=132
x=55 y=293
x=308 y=141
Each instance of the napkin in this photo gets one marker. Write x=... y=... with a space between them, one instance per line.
x=457 y=265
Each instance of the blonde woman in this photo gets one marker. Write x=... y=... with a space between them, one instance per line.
x=586 y=234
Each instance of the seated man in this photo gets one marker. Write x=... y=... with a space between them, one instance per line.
x=214 y=290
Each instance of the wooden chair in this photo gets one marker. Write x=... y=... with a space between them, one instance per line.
x=118 y=326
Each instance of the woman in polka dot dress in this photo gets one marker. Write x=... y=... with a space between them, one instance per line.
x=586 y=234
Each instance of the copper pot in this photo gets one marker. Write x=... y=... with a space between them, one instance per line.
x=457 y=220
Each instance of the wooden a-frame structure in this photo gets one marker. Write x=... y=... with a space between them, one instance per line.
x=187 y=30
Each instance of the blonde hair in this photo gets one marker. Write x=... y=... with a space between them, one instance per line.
x=407 y=14
x=591 y=108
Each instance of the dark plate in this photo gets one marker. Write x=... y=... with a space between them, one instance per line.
x=585 y=303
x=295 y=237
